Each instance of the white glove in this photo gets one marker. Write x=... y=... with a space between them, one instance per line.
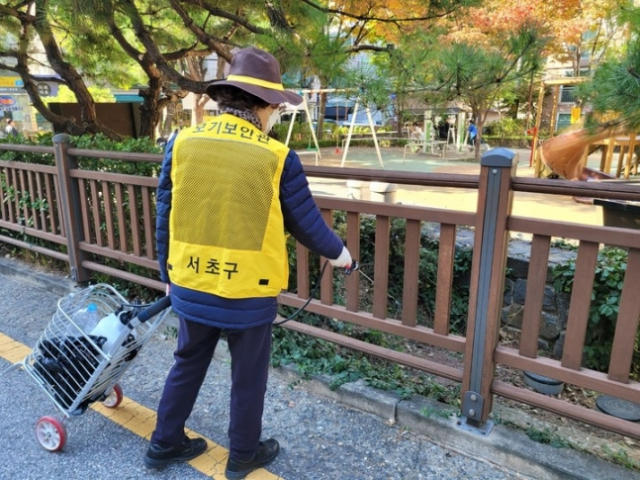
x=343 y=261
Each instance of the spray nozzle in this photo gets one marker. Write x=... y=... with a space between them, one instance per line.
x=354 y=266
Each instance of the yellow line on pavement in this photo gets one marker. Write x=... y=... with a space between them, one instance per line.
x=142 y=421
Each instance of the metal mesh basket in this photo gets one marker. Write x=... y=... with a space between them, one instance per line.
x=70 y=364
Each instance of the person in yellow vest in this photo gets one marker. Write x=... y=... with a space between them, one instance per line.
x=227 y=193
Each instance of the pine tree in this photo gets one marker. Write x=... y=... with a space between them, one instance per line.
x=614 y=91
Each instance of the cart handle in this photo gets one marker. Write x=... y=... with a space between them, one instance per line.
x=154 y=309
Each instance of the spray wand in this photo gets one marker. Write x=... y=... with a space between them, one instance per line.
x=347 y=271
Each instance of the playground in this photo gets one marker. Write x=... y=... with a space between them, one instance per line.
x=459 y=162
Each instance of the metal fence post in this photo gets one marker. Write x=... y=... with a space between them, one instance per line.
x=71 y=208
x=495 y=198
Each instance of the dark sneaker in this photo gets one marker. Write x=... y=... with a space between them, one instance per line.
x=267 y=453
x=158 y=457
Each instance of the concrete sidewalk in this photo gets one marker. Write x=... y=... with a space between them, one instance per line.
x=353 y=433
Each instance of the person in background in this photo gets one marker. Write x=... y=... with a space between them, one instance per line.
x=416 y=131
x=417 y=135
x=10 y=129
x=472 y=130
x=226 y=194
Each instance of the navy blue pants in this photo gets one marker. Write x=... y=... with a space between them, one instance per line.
x=250 y=351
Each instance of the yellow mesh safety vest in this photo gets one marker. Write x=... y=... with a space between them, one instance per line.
x=226 y=226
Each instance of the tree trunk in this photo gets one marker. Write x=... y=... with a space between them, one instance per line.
x=88 y=118
x=60 y=123
x=220 y=70
x=479 y=120
x=150 y=112
x=478 y=140
x=199 y=102
x=151 y=108
x=399 y=107
x=168 y=121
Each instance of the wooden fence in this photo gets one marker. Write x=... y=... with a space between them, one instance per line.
x=94 y=216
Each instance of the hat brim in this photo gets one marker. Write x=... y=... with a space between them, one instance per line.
x=267 y=94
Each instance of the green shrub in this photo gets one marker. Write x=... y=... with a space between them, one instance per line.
x=89 y=142
x=509 y=142
x=505 y=127
x=132 y=145
x=43 y=140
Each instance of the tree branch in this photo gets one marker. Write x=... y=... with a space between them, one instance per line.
x=155 y=54
x=73 y=78
x=365 y=17
x=10 y=68
x=8 y=53
x=122 y=40
x=6 y=10
x=218 y=12
x=184 y=52
x=201 y=35
x=35 y=78
x=632 y=71
x=374 y=48
x=22 y=68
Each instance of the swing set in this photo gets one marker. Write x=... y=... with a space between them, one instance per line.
x=305 y=107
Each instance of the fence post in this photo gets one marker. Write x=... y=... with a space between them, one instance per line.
x=71 y=208
x=495 y=199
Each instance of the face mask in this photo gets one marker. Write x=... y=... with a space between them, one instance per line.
x=273 y=118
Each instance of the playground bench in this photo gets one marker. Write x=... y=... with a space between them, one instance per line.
x=433 y=144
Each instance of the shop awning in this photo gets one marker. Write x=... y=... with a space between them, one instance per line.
x=127 y=98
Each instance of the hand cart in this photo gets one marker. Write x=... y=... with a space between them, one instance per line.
x=75 y=368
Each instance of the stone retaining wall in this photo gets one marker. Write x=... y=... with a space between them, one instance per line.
x=555 y=306
x=554 y=314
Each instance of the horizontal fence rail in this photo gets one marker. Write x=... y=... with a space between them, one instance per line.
x=100 y=221
x=125 y=156
x=617 y=191
x=451 y=180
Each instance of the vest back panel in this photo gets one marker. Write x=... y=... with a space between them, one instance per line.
x=226 y=226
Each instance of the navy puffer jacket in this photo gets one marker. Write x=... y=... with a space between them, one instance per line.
x=301 y=218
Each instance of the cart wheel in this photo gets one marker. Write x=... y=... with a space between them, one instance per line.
x=51 y=433
x=114 y=398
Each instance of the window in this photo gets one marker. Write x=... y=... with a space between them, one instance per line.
x=564 y=120
x=567 y=95
x=584 y=72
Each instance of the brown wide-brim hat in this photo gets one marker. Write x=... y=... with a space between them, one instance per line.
x=258 y=73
